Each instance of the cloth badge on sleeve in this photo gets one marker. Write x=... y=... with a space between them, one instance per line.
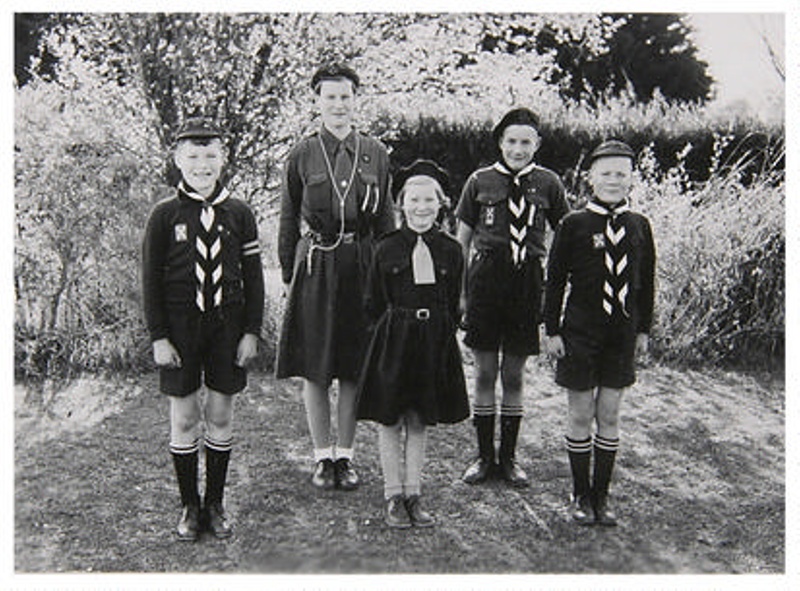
x=181 y=234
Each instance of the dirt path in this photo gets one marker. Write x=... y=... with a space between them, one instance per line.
x=699 y=488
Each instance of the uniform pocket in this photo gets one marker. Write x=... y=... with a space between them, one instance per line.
x=316 y=192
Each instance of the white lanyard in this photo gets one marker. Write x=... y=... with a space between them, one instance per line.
x=342 y=198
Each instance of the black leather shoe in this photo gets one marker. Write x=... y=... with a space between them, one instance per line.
x=419 y=517
x=478 y=471
x=513 y=474
x=324 y=474
x=346 y=477
x=396 y=513
x=603 y=515
x=581 y=511
x=189 y=525
x=216 y=522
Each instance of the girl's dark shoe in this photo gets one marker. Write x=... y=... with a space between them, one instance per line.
x=419 y=517
x=189 y=525
x=324 y=474
x=345 y=475
x=478 y=471
x=217 y=523
x=581 y=511
x=396 y=513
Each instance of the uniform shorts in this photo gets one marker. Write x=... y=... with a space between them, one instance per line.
x=597 y=358
x=207 y=344
x=503 y=305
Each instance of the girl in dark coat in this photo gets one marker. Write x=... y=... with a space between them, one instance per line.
x=412 y=375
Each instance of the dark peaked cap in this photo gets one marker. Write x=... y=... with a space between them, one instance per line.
x=521 y=116
x=334 y=72
x=421 y=167
x=612 y=148
x=199 y=127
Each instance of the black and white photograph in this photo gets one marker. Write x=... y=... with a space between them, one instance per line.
x=308 y=295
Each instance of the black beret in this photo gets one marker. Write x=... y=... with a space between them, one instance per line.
x=199 y=128
x=612 y=148
x=520 y=116
x=334 y=72
x=421 y=167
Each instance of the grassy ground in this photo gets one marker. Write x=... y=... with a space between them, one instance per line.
x=699 y=488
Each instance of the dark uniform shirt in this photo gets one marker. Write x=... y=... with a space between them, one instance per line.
x=577 y=257
x=309 y=200
x=169 y=255
x=391 y=281
x=484 y=207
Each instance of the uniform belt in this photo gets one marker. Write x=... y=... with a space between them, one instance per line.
x=327 y=240
x=421 y=314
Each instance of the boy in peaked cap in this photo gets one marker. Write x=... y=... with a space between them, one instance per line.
x=503 y=214
x=335 y=204
x=606 y=254
x=203 y=299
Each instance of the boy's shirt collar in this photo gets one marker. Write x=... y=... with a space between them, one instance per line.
x=219 y=195
x=602 y=209
x=500 y=167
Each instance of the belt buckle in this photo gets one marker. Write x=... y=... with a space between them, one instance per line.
x=423 y=313
x=348 y=237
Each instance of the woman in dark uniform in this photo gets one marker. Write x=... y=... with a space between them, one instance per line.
x=412 y=374
x=335 y=203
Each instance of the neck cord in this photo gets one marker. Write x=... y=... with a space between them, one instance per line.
x=341 y=196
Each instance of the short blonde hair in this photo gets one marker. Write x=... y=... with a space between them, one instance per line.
x=421 y=180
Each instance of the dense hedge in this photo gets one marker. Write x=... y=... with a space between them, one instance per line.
x=716 y=207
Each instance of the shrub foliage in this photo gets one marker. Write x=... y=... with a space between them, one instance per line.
x=92 y=145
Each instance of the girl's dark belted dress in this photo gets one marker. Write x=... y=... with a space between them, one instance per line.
x=413 y=360
x=324 y=329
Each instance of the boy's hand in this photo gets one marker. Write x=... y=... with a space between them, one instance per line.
x=554 y=346
x=247 y=350
x=642 y=344
x=165 y=354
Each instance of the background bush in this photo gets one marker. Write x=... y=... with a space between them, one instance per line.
x=94 y=121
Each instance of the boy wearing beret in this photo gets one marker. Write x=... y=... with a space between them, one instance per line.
x=335 y=204
x=606 y=254
x=502 y=213
x=203 y=300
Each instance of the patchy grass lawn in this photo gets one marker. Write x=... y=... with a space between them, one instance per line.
x=699 y=488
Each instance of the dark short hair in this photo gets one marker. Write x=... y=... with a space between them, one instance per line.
x=612 y=148
x=334 y=72
x=519 y=116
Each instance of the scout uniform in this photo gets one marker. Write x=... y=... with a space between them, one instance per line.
x=507 y=212
x=607 y=256
x=413 y=373
x=413 y=359
x=203 y=291
x=335 y=203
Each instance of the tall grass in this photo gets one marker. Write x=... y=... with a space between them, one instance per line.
x=721 y=260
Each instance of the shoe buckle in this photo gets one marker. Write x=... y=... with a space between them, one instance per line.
x=423 y=314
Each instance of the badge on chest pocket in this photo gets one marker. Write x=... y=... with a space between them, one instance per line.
x=599 y=241
x=488 y=215
x=180 y=233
